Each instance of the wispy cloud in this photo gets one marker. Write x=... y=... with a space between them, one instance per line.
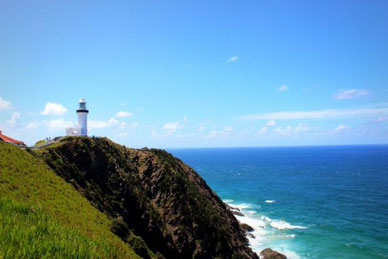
x=33 y=125
x=319 y=114
x=171 y=127
x=290 y=131
x=4 y=105
x=123 y=114
x=350 y=94
x=220 y=133
x=57 y=124
x=54 y=109
x=99 y=124
x=261 y=131
x=283 y=88
x=341 y=127
x=232 y=59
x=270 y=123
x=12 y=121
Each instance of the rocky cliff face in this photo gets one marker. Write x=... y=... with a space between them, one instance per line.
x=152 y=194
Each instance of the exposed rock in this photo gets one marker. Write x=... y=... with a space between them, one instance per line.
x=251 y=235
x=232 y=208
x=246 y=227
x=268 y=253
x=154 y=195
x=237 y=213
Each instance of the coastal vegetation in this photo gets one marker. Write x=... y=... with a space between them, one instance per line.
x=41 y=214
x=90 y=197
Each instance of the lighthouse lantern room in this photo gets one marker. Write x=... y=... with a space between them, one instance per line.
x=82 y=128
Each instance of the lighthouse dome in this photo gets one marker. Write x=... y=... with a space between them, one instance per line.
x=82 y=104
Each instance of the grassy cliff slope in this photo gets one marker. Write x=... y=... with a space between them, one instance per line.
x=42 y=216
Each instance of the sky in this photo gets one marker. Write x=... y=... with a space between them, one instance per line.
x=198 y=73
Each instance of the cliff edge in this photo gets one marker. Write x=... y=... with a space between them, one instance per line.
x=155 y=201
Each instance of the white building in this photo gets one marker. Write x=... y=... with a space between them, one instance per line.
x=82 y=128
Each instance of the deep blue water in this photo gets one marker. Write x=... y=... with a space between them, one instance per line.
x=307 y=202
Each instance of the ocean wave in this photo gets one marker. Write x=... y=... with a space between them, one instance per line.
x=242 y=206
x=251 y=212
x=270 y=201
x=263 y=236
x=280 y=224
x=228 y=201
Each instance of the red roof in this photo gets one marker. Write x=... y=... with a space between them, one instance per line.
x=8 y=139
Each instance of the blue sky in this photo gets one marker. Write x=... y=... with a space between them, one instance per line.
x=197 y=73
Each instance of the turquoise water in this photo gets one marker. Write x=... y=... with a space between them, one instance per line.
x=307 y=202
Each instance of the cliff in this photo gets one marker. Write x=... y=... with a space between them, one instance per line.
x=42 y=216
x=158 y=204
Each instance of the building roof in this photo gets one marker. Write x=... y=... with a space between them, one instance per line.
x=10 y=140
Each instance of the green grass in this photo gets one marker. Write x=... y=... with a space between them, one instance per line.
x=40 y=142
x=26 y=231
x=41 y=213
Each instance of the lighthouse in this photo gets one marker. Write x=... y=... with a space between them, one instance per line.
x=82 y=128
x=83 y=117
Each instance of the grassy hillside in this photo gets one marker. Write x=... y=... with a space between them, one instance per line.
x=43 y=216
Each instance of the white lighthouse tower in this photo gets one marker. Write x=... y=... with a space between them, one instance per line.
x=82 y=128
x=83 y=117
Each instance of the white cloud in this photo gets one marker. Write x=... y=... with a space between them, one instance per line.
x=201 y=128
x=319 y=114
x=4 y=105
x=220 y=133
x=226 y=131
x=33 y=125
x=123 y=114
x=12 y=121
x=341 y=127
x=286 y=131
x=283 y=88
x=289 y=131
x=232 y=59
x=97 y=124
x=301 y=128
x=262 y=131
x=171 y=127
x=350 y=94
x=154 y=134
x=184 y=119
x=54 y=109
x=57 y=124
x=270 y=123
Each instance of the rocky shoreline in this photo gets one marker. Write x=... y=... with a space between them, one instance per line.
x=266 y=253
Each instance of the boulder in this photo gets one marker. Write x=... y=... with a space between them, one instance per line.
x=268 y=253
x=246 y=227
x=237 y=213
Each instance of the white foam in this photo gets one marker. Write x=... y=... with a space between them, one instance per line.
x=263 y=234
x=280 y=224
x=242 y=206
x=270 y=201
x=228 y=201
x=251 y=212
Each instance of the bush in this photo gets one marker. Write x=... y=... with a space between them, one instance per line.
x=139 y=246
x=120 y=228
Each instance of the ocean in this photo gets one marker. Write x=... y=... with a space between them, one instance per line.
x=305 y=202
